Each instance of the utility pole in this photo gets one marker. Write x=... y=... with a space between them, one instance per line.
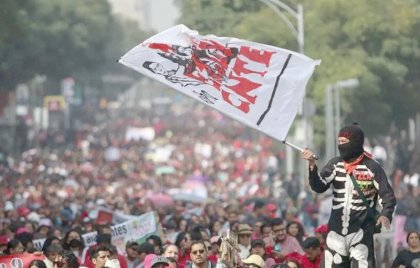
x=279 y=8
x=333 y=123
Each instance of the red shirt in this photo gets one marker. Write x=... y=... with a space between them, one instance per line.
x=306 y=263
x=212 y=258
x=183 y=259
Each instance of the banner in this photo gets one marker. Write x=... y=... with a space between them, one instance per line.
x=259 y=85
x=38 y=243
x=132 y=230
x=18 y=260
x=118 y=217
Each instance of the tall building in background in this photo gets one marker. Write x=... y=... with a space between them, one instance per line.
x=151 y=15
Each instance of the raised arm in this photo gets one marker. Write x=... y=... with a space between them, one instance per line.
x=317 y=181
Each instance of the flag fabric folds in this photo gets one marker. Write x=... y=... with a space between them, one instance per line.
x=259 y=85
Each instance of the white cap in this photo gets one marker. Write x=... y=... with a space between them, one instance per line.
x=8 y=206
x=34 y=217
x=45 y=222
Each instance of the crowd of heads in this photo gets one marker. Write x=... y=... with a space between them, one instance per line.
x=54 y=192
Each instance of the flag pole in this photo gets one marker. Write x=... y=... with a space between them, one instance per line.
x=298 y=148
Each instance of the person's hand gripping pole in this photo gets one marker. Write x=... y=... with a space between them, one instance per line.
x=305 y=153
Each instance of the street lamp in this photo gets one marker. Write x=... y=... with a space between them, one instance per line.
x=298 y=31
x=332 y=125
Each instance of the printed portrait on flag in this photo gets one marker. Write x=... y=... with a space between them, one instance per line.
x=211 y=63
x=205 y=60
x=259 y=85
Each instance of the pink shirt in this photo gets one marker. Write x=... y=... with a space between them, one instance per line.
x=268 y=262
x=289 y=245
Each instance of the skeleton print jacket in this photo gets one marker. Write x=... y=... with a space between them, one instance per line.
x=349 y=213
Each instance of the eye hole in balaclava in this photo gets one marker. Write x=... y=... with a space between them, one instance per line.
x=354 y=148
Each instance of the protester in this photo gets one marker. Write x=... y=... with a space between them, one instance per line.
x=131 y=254
x=52 y=240
x=143 y=250
x=51 y=253
x=104 y=238
x=3 y=243
x=116 y=259
x=183 y=242
x=321 y=233
x=214 y=251
x=209 y=250
x=159 y=262
x=199 y=256
x=215 y=228
x=99 y=255
x=254 y=261
x=26 y=238
x=258 y=248
x=70 y=260
x=156 y=242
x=244 y=240
x=14 y=247
x=170 y=251
x=265 y=230
x=352 y=224
x=410 y=257
x=37 y=264
x=258 y=213
x=271 y=211
x=280 y=243
x=313 y=253
x=44 y=228
x=148 y=260
x=295 y=229
x=73 y=241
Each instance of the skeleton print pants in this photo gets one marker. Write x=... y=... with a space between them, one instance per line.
x=354 y=250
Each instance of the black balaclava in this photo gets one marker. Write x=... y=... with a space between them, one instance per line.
x=354 y=148
x=75 y=243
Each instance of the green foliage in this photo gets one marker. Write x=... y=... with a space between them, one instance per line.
x=12 y=32
x=376 y=41
x=78 y=38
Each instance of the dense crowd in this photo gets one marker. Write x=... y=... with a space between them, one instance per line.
x=55 y=191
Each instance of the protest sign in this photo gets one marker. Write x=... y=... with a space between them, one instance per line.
x=18 y=260
x=136 y=229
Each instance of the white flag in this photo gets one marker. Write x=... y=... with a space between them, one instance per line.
x=260 y=85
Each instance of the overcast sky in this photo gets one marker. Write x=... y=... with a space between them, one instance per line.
x=163 y=14
x=156 y=15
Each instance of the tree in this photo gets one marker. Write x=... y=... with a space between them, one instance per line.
x=13 y=29
x=58 y=39
x=71 y=37
x=375 y=41
x=366 y=41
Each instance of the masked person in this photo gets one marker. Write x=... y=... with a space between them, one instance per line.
x=73 y=241
x=352 y=224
